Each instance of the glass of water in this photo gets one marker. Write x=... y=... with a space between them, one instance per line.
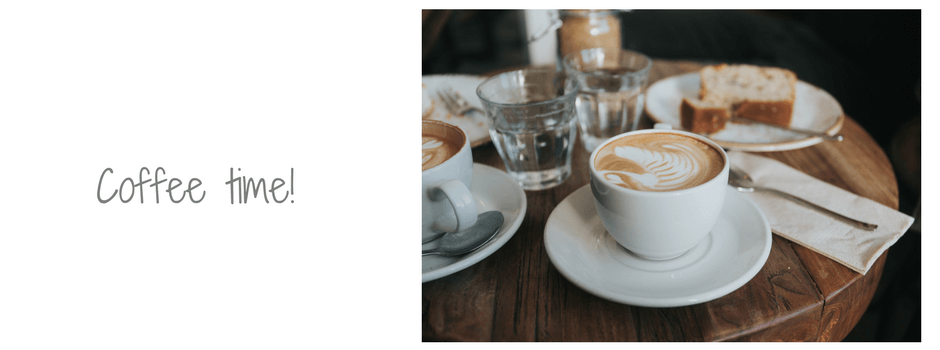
x=532 y=121
x=611 y=86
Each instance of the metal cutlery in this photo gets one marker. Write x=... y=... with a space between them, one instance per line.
x=824 y=136
x=742 y=182
x=469 y=240
x=455 y=103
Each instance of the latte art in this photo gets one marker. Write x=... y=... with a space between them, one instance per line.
x=658 y=162
x=433 y=152
x=439 y=142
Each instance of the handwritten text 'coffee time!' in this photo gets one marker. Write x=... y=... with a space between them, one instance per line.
x=241 y=187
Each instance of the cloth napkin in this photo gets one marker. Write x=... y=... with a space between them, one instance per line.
x=853 y=247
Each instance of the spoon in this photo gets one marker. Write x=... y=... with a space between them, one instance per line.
x=434 y=238
x=466 y=241
x=743 y=183
x=824 y=136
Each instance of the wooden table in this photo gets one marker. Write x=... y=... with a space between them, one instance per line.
x=516 y=294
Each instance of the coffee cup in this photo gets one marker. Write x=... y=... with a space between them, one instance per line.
x=658 y=191
x=446 y=175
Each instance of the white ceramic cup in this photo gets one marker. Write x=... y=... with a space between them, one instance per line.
x=446 y=202
x=659 y=225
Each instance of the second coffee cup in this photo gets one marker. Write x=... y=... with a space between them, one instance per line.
x=447 y=204
x=658 y=192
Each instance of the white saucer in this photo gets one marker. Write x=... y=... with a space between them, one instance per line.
x=732 y=253
x=492 y=189
x=814 y=109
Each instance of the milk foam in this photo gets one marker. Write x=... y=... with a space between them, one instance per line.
x=435 y=151
x=658 y=162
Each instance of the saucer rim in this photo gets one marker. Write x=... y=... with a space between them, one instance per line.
x=501 y=238
x=643 y=301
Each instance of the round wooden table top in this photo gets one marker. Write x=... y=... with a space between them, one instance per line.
x=516 y=294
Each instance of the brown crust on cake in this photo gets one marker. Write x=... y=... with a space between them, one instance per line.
x=702 y=119
x=772 y=112
x=749 y=104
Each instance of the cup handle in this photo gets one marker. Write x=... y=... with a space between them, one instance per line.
x=663 y=126
x=462 y=201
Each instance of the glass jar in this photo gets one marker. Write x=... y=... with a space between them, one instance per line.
x=585 y=29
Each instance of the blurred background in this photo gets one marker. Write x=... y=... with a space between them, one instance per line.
x=869 y=60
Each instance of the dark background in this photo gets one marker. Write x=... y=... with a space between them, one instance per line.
x=869 y=60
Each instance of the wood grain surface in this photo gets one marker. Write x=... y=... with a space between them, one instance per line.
x=516 y=294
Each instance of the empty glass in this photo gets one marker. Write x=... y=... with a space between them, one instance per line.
x=611 y=86
x=532 y=121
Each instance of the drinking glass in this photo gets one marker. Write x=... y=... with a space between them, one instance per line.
x=533 y=124
x=612 y=83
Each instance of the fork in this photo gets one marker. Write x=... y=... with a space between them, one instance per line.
x=455 y=103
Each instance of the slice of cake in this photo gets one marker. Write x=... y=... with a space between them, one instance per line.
x=764 y=94
x=703 y=117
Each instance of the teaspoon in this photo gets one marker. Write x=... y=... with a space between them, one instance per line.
x=466 y=241
x=821 y=135
x=742 y=182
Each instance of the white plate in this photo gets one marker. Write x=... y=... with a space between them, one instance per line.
x=814 y=109
x=729 y=256
x=492 y=189
x=474 y=124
